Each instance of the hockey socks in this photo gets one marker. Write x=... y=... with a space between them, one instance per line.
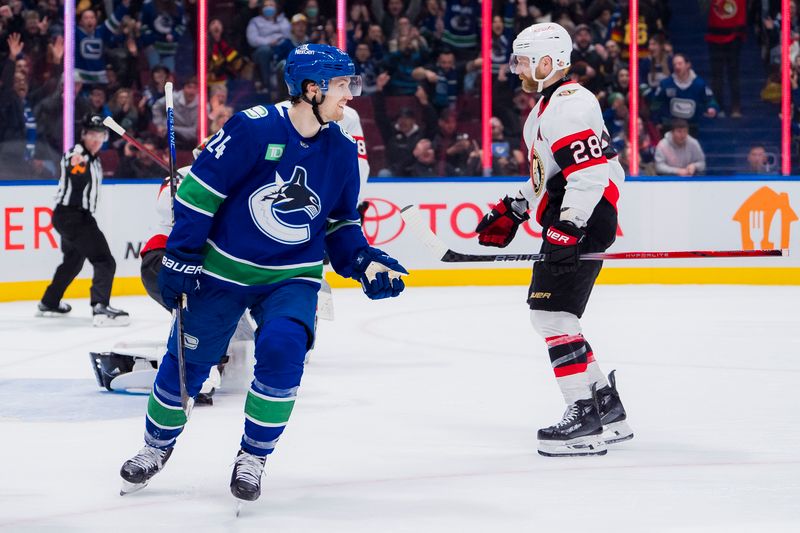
x=569 y=357
x=593 y=369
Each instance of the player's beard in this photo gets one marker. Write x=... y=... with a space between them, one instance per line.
x=528 y=85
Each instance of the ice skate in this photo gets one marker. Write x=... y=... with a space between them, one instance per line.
x=612 y=413
x=246 y=478
x=137 y=471
x=107 y=316
x=46 y=311
x=578 y=433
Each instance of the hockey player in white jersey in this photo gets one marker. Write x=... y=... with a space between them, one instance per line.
x=573 y=190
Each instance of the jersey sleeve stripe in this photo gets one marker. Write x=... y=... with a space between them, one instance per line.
x=193 y=207
x=197 y=194
x=569 y=139
x=590 y=163
x=206 y=185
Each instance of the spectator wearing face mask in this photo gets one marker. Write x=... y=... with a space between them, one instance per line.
x=264 y=33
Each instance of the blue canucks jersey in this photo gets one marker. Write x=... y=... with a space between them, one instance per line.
x=263 y=203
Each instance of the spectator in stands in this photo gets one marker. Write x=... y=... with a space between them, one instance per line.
x=185 y=106
x=400 y=65
x=431 y=21
x=123 y=110
x=311 y=11
x=404 y=28
x=425 y=163
x=222 y=116
x=684 y=95
x=357 y=25
x=225 y=62
x=452 y=149
x=162 y=27
x=658 y=66
x=599 y=13
x=726 y=30
x=367 y=68
x=616 y=114
x=461 y=28
x=217 y=102
x=678 y=153
x=264 y=32
x=584 y=51
x=612 y=61
x=444 y=78
x=758 y=161
x=507 y=158
x=297 y=35
x=621 y=83
x=18 y=133
x=402 y=136
x=98 y=101
x=377 y=42
x=137 y=164
x=34 y=36
x=387 y=18
x=123 y=57
x=91 y=40
x=152 y=92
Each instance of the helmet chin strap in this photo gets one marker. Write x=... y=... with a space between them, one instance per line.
x=543 y=80
x=315 y=107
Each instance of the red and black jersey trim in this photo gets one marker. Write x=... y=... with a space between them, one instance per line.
x=576 y=152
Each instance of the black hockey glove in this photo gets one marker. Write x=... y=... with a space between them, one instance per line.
x=179 y=274
x=498 y=227
x=561 y=247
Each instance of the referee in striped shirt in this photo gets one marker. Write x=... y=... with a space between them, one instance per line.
x=81 y=239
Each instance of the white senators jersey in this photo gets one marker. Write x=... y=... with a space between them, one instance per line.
x=570 y=156
x=351 y=123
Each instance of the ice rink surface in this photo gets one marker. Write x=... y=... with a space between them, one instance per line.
x=420 y=414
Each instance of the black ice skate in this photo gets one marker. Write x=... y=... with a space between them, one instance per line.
x=578 y=433
x=107 y=316
x=246 y=477
x=137 y=471
x=60 y=310
x=612 y=413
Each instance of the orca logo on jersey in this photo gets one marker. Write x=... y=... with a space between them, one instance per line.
x=269 y=203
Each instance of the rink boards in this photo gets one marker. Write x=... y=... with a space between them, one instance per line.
x=656 y=214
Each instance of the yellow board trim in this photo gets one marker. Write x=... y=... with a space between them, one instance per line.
x=132 y=286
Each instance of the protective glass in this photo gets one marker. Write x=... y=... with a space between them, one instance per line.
x=342 y=85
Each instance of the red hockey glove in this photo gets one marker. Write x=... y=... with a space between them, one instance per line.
x=498 y=227
x=560 y=247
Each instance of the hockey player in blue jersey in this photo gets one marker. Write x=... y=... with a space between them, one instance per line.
x=272 y=191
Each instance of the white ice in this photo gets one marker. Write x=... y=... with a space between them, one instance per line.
x=420 y=414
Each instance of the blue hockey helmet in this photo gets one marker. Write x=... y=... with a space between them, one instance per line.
x=319 y=63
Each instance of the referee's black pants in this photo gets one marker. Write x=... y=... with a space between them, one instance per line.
x=81 y=239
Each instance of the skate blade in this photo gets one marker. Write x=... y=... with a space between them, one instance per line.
x=617 y=432
x=130 y=488
x=49 y=314
x=102 y=321
x=578 y=447
x=240 y=504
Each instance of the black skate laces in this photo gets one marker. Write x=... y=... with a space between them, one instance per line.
x=249 y=468
x=149 y=457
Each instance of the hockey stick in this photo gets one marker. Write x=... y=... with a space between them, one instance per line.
x=186 y=401
x=112 y=124
x=416 y=223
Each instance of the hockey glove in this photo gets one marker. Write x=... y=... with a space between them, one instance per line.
x=498 y=227
x=561 y=247
x=378 y=273
x=179 y=274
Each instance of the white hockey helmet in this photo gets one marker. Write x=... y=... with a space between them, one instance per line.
x=540 y=40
